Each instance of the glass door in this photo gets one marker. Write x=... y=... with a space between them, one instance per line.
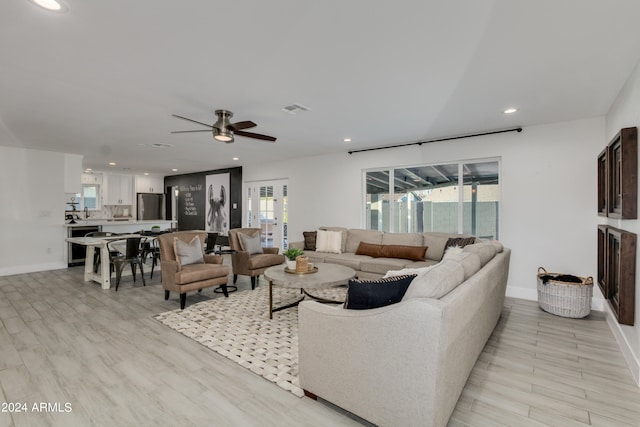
x=267 y=202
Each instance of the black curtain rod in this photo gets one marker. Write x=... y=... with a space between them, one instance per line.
x=448 y=138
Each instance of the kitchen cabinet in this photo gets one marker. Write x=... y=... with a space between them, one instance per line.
x=119 y=189
x=91 y=178
x=149 y=184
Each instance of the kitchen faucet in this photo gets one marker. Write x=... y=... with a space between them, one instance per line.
x=86 y=212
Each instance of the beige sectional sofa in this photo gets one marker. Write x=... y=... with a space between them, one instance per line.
x=368 y=267
x=406 y=363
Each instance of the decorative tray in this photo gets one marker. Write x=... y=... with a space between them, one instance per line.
x=288 y=270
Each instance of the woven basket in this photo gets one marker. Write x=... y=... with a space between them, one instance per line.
x=302 y=264
x=566 y=299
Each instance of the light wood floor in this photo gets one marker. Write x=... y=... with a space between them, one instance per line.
x=66 y=341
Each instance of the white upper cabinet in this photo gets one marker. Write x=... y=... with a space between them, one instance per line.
x=119 y=189
x=149 y=184
x=91 y=178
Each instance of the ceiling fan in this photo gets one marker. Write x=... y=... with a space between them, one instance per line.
x=224 y=130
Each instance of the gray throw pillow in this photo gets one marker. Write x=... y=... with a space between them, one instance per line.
x=251 y=244
x=188 y=253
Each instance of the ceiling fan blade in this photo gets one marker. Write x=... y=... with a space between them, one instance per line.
x=188 y=131
x=191 y=120
x=242 y=125
x=255 y=135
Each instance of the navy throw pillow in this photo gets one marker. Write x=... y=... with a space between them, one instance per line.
x=365 y=294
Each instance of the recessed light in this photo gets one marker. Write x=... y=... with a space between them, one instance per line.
x=174 y=170
x=510 y=110
x=347 y=140
x=146 y=173
x=88 y=170
x=112 y=163
x=53 y=5
x=236 y=158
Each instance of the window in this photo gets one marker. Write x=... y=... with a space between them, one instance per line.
x=89 y=198
x=428 y=198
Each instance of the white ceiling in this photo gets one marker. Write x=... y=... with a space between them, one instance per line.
x=104 y=78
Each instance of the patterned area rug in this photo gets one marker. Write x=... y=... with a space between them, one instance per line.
x=239 y=329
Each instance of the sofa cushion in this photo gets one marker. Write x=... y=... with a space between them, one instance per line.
x=370 y=249
x=381 y=265
x=485 y=250
x=264 y=260
x=437 y=281
x=310 y=240
x=343 y=230
x=329 y=241
x=199 y=272
x=408 y=239
x=355 y=236
x=188 y=253
x=317 y=256
x=470 y=262
x=366 y=294
x=347 y=259
x=251 y=244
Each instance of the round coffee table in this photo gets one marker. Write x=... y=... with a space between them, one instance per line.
x=327 y=276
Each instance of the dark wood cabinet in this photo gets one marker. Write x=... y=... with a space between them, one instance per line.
x=603 y=181
x=621 y=176
x=617 y=271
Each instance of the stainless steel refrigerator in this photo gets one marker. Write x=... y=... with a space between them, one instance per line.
x=150 y=206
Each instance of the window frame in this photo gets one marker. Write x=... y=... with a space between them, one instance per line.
x=460 y=163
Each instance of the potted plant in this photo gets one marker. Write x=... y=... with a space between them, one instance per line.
x=291 y=254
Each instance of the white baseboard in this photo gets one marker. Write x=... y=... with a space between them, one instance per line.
x=627 y=351
x=23 y=269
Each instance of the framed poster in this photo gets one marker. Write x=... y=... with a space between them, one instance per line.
x=217 y=203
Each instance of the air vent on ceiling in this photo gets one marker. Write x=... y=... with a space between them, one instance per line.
x=295 y=109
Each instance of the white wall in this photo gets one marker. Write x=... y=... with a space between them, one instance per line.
x=31 y=211
x=625 y=112
x=549 y=186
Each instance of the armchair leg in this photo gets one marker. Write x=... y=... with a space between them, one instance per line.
x=183 y=301
x=166 y=295
x=224 y=290
x=253 y=282
x=235 y=278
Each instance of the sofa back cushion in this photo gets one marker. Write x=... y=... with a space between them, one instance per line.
x=407 y=239
x=485 y=250
x=469 y=261
x=437 y=281
x=355 y=236
x=436 y=243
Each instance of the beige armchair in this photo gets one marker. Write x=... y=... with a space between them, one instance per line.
x=246 y=263
x=184 y=278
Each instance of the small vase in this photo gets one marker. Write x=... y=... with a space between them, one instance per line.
x=291 y=265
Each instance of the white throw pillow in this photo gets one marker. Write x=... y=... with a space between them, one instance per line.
x=451 y=251
x=406 y=271
x=188 y=253
x=329 y=241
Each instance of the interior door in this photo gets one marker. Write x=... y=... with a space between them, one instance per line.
x=267 y=202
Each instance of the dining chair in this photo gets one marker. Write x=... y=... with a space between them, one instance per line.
x=132 y=255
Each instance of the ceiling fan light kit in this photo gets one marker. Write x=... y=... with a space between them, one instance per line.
x=224 y=130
